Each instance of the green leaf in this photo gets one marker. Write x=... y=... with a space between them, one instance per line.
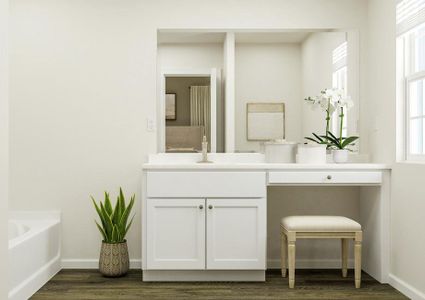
x=331 y=141
x=96 y=206
x=122 y=198
x=128 y=227
x=318 y=137
x=108 y=205
x=114 y=237
x=116 y=215
x=108 y=222
x=105 y=238
x=348 y=141
x=311 y=139
x=332 y=135
x=99 y=212
x=126 y=213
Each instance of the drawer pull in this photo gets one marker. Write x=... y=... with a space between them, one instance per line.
x=201 y=206
x=210 y=206
x=329 y=177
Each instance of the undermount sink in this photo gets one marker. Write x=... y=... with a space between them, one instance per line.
x=216 y=158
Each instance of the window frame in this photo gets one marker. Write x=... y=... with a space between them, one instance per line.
x=340 y=63
x=408 y=118
x=409 y=76
x=335 y=117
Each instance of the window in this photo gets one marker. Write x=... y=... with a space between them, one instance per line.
x=411 y=37
x=339 y=81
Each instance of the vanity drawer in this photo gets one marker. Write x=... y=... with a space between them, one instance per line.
x=169 y=184
x=324 y=177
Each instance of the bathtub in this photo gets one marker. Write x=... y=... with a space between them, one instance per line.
x=34 y=251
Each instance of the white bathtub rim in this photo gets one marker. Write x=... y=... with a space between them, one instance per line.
x=34 y=230
x=20 y=229
x=37 y=221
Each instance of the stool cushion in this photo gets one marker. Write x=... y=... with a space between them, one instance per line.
x=320 y=224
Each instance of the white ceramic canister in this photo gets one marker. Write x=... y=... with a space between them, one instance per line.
x=280 y=151
x=311 y=154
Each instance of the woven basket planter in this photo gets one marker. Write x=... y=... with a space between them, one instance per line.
x=114 y=260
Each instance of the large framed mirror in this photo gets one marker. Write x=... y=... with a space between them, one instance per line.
x=257 y=66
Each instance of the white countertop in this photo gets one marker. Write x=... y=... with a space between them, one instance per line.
x=243 y=161
x=263 y=166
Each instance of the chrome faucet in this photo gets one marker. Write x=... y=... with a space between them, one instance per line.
x=204 y=151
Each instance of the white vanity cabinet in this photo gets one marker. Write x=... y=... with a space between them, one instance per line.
x=195 y=221
x=176 y=234
x=207 y=222
x=213 y=234
x=236 y=234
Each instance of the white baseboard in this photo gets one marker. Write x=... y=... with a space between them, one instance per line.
x=271 y=263
x=205 y=275
x=405 y=288
x=93 y=263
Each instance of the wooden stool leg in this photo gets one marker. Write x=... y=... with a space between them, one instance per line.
x=358 y=259
x=283 y=250
x=291 y=259
x=344 y=256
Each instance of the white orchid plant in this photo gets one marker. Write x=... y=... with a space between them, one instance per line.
x=329 y=101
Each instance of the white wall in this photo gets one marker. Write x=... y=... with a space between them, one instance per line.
x=267 y=73
x=79 y=88
x=4 y=146
x=408 y=190
x=83 y=82
x=317 y=69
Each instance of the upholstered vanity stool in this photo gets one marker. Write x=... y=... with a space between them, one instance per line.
x=313 y=227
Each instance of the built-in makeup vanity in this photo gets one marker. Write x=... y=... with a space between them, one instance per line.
x=209 y=221
x=230 y=93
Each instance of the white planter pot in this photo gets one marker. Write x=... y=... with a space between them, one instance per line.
x=340 y=156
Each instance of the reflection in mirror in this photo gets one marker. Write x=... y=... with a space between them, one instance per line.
x=187 y=113
x=265 y=121
x=287 y=67
x=261 y=67
x=190 y=65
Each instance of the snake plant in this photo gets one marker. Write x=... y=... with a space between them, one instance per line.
x=114 y=221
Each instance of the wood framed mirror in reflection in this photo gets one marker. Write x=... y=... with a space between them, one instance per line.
x=265 y=121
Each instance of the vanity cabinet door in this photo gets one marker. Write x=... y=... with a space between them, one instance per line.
x=236 y=234
x=176 y=234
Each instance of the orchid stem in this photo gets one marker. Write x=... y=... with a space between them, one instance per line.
x=341 y=120
x=328 y=117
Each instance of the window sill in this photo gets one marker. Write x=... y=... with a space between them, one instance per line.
x=411 y=162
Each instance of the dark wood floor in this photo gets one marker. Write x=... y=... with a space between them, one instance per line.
x=310 y=284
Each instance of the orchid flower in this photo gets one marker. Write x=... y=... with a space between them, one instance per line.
x=329 y=101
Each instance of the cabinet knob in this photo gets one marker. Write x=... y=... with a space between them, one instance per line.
x=329 y=177
x=210 y=206
x=201 y=206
